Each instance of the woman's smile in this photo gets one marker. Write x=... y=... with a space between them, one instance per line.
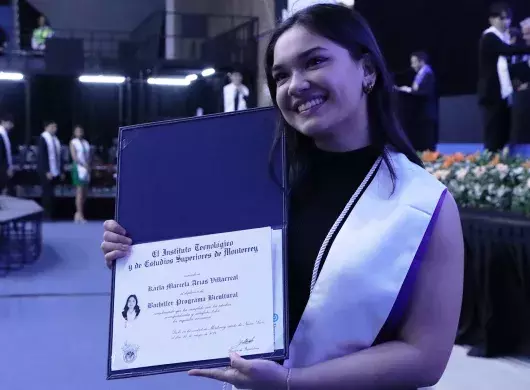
x=310 y=107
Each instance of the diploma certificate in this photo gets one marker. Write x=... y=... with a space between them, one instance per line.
x=195 y=300
x=206 y=273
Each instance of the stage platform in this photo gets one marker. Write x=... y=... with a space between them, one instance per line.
x=54 y=318
x=470 y=148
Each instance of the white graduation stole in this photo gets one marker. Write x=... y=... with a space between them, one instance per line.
x=367 y=264
x=7 y=144
x=502 y=66
x=82 y=149
x=54 y=150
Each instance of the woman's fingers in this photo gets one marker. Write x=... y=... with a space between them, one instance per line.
x=115 y=243
x=112 y=237
x=108 y=247
x=114 y=227
x=112 y=256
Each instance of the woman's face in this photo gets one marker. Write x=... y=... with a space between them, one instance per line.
x=78 y=132
x=319 y=85
x=131 y=303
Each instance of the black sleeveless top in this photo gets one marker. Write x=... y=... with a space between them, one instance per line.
x=315 y=205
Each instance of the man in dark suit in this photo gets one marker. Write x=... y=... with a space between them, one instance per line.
x=49 y=166
x=520 y=75
x=6 y=157
x=424 y=135
x=495 y=88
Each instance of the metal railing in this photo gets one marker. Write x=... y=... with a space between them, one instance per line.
x=188 y=37
x=95 y=43
x=193 y=37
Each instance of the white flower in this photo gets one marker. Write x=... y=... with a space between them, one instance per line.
x=462 y=173
x=502 y=168
x=479 y=171
x=528 y=183
x=442 y=174
x=501 y=191
x=477 y=190
x=519 y=190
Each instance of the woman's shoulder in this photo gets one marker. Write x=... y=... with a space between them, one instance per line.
x=413 y=172
x=415 y=186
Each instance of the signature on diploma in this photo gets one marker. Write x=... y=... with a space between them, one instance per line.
x=243 y=345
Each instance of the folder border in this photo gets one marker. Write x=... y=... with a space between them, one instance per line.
x=278 y=355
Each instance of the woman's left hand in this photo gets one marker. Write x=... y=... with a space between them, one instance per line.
x=248 y=374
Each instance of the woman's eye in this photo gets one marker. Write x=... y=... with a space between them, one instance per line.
x=315 y=61
x=279 y=77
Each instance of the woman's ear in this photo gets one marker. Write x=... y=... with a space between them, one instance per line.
x=370 y=71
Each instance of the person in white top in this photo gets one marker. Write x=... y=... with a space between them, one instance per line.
x=6 y=157
x=235 y=94
x=49 y=166
x=80 y=152
x=374 y=241
x=525 y=27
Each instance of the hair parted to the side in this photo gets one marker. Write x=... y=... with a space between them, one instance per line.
x=347 y=28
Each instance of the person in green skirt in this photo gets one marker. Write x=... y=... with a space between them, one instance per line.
x=80 y=152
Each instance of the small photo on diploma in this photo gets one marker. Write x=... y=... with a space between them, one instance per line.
x=131 y=310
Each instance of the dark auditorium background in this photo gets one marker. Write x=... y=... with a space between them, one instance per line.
x=55 y=288
x=447 y=30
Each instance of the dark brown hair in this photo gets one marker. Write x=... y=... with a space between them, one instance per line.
x=349 y=29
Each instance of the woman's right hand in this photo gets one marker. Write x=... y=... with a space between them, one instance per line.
x=115 y=243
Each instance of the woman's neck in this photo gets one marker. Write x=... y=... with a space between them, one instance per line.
x=344 y=140
x=351 y=134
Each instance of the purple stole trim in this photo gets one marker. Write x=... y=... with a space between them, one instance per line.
x=400 y=306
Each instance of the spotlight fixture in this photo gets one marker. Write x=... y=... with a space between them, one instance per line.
x=208 y=72
x=9 y=76
x=101 y=79
x=181 y=82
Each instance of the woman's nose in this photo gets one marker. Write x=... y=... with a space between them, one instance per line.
x=298 y=84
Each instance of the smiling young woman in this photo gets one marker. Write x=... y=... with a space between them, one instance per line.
x=375 y=248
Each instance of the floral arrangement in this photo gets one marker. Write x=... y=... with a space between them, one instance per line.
x=484 y=180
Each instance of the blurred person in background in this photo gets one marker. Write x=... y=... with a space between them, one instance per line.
x=4 y=40
x=49 y=166
x=80 y=152
x=525 y=27
x=519 y=65
x=6 y=156
x=235 y=94
x=519 y=69
x=495 y=88
x=424 y=86
x=41 y=34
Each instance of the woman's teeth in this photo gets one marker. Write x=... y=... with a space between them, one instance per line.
x=310 y=104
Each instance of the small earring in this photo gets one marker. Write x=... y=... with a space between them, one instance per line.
x=367 y=88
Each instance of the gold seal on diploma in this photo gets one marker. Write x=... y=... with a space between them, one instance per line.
x=130 y=352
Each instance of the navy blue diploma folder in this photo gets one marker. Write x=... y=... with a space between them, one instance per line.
x=200 y=176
